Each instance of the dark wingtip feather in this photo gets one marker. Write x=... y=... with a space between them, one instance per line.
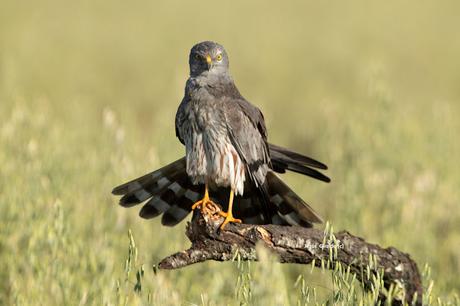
x=174 y=215
x=129 y=200
x=169 y=220
x=133 y=184
x=172 y=169
x=281 y=167
x=297 y=157
x=310 y=172
x=118 y=190
x=149 y=212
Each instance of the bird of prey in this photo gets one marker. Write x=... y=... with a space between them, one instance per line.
x=228 y=158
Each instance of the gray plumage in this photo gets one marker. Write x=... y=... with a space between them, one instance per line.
x=226 y=147
x=224 y=136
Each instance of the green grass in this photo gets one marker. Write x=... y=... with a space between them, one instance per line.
x=88 y=93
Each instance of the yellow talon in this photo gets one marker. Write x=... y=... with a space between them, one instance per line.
x=208 y=206
x=205 y=202
x=229 y=219
x=229 y=215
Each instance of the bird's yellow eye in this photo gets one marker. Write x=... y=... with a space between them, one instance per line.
x=219 y=57
x=197 y=56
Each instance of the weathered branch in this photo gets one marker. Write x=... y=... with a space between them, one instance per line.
x=298 y=245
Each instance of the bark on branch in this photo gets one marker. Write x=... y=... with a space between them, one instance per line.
x=302 y=246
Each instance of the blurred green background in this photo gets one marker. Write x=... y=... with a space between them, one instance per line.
x=88 y=94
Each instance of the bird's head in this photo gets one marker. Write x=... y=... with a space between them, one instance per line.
x=208 y=57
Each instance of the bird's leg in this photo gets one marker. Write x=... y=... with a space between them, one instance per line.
x=205 y=202
x=229 y=215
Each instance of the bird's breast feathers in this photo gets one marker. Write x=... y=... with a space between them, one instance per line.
x=211 y=156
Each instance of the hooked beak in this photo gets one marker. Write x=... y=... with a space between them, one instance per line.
x=208 y=61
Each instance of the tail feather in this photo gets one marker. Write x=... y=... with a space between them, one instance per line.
x=284 y=207
x=250 y=209
x=290 y=206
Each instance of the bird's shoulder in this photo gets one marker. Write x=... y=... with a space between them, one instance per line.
x=223 y=91
x=253 y=113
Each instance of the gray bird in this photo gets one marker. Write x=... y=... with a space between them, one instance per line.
x=227 y=157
